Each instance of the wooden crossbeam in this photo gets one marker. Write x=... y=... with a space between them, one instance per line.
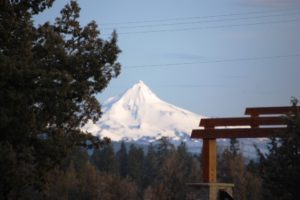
x=269 y=110
x=252 y=127
x=242 y=121
x=237 y=133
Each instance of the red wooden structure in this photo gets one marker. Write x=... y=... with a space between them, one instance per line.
x=262 y=122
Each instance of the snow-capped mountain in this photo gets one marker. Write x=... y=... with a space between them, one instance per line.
x=139 y=115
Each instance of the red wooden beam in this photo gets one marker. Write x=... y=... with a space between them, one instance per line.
x=209 y=134
x=242 y=121
x=237 y=133
x=269 y=110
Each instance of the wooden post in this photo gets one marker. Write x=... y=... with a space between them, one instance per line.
x=209 y=160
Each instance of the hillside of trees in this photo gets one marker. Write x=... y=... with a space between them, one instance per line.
x=161 y=172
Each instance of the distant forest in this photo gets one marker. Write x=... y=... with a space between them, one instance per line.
x=160 y=172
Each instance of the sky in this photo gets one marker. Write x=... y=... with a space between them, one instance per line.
x=211 y=57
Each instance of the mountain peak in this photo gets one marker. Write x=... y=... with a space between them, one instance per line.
x=139 y=93
x=140 y=86
x=141 y=83
x=139 y=114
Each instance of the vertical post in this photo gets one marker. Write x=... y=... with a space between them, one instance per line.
x=254 y=123
x=209 y=160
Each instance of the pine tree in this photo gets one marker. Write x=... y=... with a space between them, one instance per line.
x=232 y=169
x=185 y=158
x=280 y=167
x=49 y=76
x=88 y=183
x=105 y=160
x=163 y=148
x=136 y=164
x=173 y=172
x=122 y=157
x=234 y=146
x=17 y=174
x=150 y=166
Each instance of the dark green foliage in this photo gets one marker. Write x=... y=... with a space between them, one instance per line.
x=232 y=169
x=49 y=76
x=171 y=183
x=159 y=173
x=88 y=183
x=78 y=158
x=136 y=164
x=185 y=158
x=17 y=174
x=122 y=157
x=150 y=166
x=105 y=160
x=234 y=146
x=173 y=169
x=280 y=167
x=164 y=147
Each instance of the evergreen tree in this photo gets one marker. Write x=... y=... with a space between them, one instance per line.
x=105 y=160
x=173 y=172
x=173 y=177
x=185 y=158
x=88 y=183
x=122 y=157
x=150 y=166
x=62 y=184
x=234 y=146
x=49 y=76
x=78 y=157
x=232 y=169
x=196 y=170
x=17 y=174
x=136 y=164
x=280 y=167
x=163 y=148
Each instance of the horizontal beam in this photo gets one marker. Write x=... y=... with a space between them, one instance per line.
x=269 y=110
x=237 y=133
x=242 y=121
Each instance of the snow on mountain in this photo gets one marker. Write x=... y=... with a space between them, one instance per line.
x=139 y=115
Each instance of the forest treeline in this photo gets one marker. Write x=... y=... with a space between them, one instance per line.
x=162 y=171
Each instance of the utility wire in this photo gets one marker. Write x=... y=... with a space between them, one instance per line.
x=197 y=22
x=201 y=17
x=205 y=27
x=246 y=59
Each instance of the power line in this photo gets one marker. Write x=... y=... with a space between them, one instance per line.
x=197 y=22
x=206 y=27
x=201 y=17
x=215 y=61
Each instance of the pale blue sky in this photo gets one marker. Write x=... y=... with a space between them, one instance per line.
x=228 y=54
